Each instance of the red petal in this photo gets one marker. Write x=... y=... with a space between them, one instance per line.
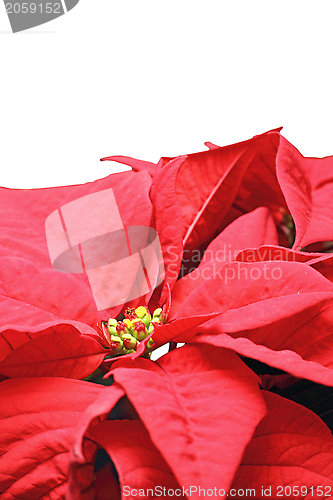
x=64 y=352
x=200 y=405
x=38 y=418
x=291 y=448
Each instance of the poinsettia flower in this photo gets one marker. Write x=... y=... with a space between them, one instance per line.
x=199 y=407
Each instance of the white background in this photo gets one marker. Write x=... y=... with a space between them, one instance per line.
x=158 y=78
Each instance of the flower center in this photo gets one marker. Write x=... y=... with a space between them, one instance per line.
x=124 y=336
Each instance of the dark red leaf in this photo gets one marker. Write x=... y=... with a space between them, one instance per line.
x=106 y=485
x=100 y=407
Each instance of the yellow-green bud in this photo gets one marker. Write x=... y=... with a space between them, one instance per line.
x=143 y=314
x=129 y=341
x=116 y=344
x=157 y=313
x=112 y=324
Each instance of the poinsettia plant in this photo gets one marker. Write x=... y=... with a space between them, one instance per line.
x=231 y=252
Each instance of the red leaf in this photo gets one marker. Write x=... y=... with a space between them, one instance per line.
x=319 y=172
x=276 y=253
x=254 y=229
x=307 y=186
x=64 y=352
x=209 y=182
x=38 y=418
x=264 y=300
x=179 y=400
x=295 y=186
x=168 y=218
x=139 y=464
x=31 y=291
x=251 y=230
x=286 y=360
x=166 y=333
x=290 y=447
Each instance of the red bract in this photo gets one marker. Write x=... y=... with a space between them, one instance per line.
x=200 y=419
